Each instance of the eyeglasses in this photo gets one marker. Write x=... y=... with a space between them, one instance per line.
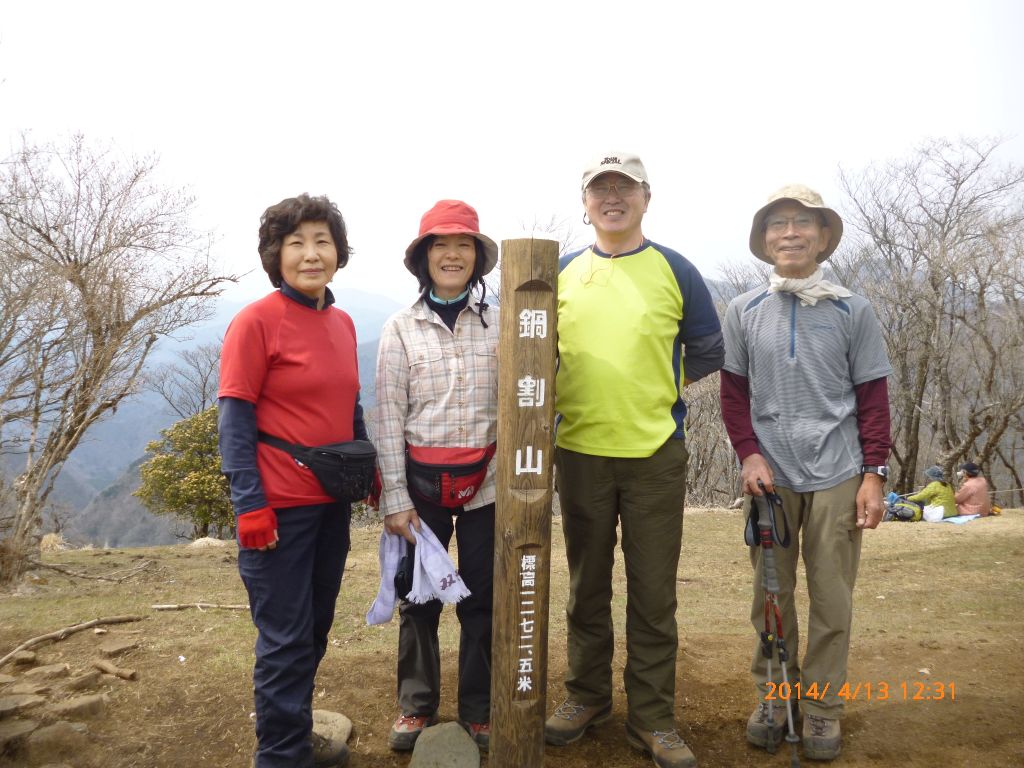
x=623 y=188
x=779 y=224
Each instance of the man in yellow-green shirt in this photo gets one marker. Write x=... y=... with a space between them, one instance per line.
x=635 y=324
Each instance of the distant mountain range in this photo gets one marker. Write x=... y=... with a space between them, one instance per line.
x=93 y=492
x=94 y=489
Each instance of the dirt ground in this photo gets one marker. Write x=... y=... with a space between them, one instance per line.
x=935 y=603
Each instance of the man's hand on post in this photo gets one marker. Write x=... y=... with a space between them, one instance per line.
x=869 y=501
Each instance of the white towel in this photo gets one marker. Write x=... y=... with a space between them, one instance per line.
x=392 y=547
x=434 y=574
x=808 y=289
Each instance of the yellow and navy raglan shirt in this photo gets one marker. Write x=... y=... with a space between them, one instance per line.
x=631 y=328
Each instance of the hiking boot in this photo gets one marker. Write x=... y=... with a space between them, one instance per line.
x=571 y=720
x=327 y=753
x=666 y=747
x=822 y=738
x=479 y=732
x=407 y=729
x=768 y=735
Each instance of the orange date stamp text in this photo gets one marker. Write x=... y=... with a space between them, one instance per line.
x=880 y=690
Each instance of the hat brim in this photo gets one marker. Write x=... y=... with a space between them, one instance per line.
x=835 y=228
x=587 y=181
x=490 y=247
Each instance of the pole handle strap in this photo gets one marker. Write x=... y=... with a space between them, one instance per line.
x=765 y=506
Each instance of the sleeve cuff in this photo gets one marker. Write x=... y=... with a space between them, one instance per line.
x=395 y=500
x=746 y=448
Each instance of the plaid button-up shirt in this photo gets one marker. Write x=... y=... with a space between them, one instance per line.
x=435 y=388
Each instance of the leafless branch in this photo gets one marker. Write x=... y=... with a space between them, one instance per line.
x=199 y=606
x=116 y=579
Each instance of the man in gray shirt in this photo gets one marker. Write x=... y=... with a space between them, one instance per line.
x=806 y=406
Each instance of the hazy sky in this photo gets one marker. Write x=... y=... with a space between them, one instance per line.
x=387 y=107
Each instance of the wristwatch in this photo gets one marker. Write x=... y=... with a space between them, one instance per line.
x=882 y=472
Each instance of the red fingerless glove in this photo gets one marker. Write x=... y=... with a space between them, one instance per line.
x=257 y=528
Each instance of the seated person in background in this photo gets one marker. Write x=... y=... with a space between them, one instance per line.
x=898 y=508
x=938 y=493
x=973 y=496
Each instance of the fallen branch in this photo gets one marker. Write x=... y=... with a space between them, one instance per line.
x=200 y=606
x=68 y=572
x=60 y=634
x=110 y=669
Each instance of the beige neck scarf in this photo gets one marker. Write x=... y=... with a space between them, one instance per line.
x=808 y=289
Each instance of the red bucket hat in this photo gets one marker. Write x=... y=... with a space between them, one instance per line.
x=453 y=217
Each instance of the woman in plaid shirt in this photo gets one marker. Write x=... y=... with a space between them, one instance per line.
x=437 y=387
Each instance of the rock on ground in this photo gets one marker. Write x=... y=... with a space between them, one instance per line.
x=445 y=746
x=333 y=726
x=117 y=646
x=13 y=733
x=90 y=705
x=84 y=681
x=53 y=542
x=16 y=704
x=49 y=672
x=59 y=741
x=30 y=689
x=207 y=541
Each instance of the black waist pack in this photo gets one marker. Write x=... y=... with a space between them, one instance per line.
x=345 y=470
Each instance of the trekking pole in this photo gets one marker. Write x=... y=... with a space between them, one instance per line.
x=768 y=536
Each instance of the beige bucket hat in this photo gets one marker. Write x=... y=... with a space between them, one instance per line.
x=806 y=197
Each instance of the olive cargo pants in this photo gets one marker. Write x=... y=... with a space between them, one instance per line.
x=645 y=496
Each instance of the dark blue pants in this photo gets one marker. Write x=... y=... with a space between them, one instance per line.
x=292 y=590
x=419 y=655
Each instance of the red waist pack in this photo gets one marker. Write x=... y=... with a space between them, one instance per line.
x=449 y=477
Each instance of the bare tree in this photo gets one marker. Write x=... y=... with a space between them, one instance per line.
x=189 y=386
x=935 y=241
x=56 y=516
x=712 y=478
x=33 y=322
x=116 y=265
x=738 y=277
x=561 y=230
x=554 y=228
x=711 y=473
x=1012 y=448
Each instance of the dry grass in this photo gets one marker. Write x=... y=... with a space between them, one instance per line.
x=940 y=598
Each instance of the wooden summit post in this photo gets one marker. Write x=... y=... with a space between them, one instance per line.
x=522 y=525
